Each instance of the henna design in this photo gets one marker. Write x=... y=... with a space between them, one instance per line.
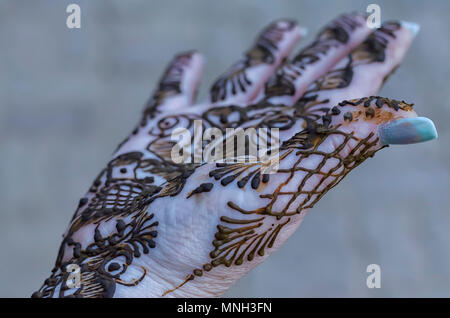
x=204 y=187
x=262 y=115
x=233 y=245
x=306 y=144
x=235 y=80
x=333 y=35
x=242 y=172
x=105 y=260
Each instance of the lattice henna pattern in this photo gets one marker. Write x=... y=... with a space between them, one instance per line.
x=244 y=241
x=238 y=238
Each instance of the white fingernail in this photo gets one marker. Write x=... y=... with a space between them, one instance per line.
x=411 y=26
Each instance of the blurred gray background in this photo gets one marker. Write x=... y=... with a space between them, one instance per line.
x=67 y=97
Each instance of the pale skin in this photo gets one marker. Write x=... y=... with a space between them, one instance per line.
x=151 y=228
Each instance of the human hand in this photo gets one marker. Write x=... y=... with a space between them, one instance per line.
x=150 y=227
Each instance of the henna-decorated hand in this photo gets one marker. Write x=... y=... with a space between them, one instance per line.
x=150 y=227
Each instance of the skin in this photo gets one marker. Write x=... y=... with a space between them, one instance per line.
x=191 y=230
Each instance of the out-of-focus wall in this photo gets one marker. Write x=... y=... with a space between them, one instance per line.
x=67 y=97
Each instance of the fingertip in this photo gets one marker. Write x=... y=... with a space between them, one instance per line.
x=197 y=63
x=303 y=31
x=193 y=76
x=179 y=83
x=413 y=27
x=291 y=24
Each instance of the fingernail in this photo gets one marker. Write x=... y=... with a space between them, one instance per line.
x=407 y=131
x=413 y=27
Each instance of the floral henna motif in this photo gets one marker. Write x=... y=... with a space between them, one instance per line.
x=239 y=239
x=104 y=261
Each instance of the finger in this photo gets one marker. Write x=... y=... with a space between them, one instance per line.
x=332 y=44
x=361 y=73
x=320 y=156
x=245 y=79
x=178 y=86
x=366 y=125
